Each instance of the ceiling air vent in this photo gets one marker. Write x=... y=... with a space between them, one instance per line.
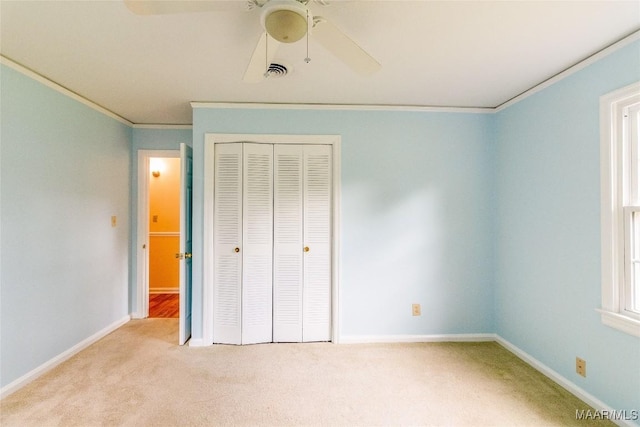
x=277 y=70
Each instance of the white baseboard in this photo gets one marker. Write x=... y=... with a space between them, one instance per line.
x=373 y=339
x=197 y=343
x=363 y=339
x=588 y=398
x=52 y=363
x=164 y=290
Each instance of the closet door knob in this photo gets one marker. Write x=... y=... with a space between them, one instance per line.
x=236 y=250
x=306 y=248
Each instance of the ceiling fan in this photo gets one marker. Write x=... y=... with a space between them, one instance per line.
x=283 y=21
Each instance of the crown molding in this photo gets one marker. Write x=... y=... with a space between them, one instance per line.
x=338 y=107
x=162 y=127
x=571 y=70
x=61 y=89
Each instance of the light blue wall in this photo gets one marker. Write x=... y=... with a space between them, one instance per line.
x=64 y=173
x=416 y=214
x=147 y=139
x=548 y=235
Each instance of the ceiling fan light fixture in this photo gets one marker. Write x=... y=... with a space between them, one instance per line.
x=286 y=22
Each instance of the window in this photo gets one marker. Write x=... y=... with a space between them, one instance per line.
x=620 y=169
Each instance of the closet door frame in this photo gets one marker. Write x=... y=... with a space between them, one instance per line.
x=208 y=251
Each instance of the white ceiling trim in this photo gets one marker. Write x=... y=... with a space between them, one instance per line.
x=338 y=107
x=63 y=90
x=571 y=70
x=147 y=126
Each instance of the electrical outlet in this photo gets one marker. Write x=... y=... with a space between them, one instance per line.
x=415 y=309
x=155 y=218
x=581 y=367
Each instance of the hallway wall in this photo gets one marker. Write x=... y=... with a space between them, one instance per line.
x=164 y=226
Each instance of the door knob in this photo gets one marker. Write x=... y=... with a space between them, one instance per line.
x=306 y=248
x=188 y=255
x=180 y=256
x=236 y=250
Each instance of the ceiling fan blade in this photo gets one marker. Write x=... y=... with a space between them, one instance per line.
x=345 y=49
x=262 y=56
x=162 y=7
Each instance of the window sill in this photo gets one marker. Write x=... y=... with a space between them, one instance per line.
x=620 y=322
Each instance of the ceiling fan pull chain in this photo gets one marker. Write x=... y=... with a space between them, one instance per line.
x=266 y=55
x=307 y=59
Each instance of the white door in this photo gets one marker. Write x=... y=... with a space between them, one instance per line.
x=317 y=200
x=257 y=247
x=287 y=244
x=227 y=240
x=272 y=243
x=302 y=243
x=186 y=199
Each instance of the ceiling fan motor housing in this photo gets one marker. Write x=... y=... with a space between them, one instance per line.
x=285 y=21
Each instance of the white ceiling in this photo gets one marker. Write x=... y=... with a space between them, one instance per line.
x=433 y=53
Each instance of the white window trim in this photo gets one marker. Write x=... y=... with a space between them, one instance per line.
x=612 y=215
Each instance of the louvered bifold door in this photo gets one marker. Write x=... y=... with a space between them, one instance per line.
x=257 y=274
x=227 y=238
x=287 y=244
x=317 y=208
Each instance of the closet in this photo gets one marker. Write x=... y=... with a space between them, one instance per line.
x=272 y=243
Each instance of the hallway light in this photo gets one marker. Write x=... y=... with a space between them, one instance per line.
x=156 y=166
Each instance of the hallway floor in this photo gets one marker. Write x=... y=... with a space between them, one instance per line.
x=164 y=305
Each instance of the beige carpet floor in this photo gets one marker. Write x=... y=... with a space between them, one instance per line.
x=138 y=376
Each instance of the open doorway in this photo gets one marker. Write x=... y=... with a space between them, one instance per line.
x=164 y=218
x=145 y=225
x=164 y=237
